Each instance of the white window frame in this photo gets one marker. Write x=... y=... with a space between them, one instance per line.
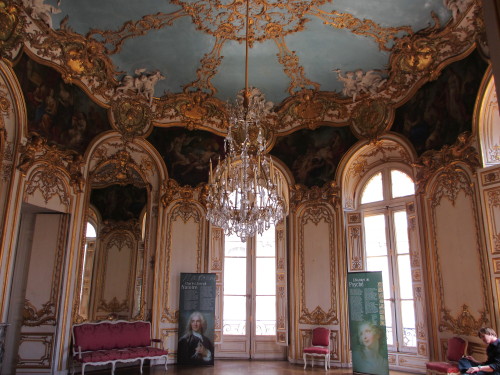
x=388 y=206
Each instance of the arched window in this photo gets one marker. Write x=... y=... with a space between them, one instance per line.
x=383 y=201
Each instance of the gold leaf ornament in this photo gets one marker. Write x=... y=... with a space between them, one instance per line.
x=11 y=26
x=371 y=118
x=132 y=118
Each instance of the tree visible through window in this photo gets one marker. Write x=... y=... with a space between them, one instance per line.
x=387 y=249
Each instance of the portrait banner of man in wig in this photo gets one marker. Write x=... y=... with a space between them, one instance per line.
x=196 y=319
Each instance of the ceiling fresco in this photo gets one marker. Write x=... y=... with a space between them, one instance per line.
x=444 y=108
x=334 y=72
x=176 y=63
x=60 y=112
x=296 y=44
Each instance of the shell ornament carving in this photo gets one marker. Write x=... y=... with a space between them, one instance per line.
x=132 y=118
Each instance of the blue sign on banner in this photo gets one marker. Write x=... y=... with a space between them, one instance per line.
x=196 y=319
x=367 y=323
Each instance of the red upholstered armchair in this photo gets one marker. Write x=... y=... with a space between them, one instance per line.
x=320 y=347
x=457 y=347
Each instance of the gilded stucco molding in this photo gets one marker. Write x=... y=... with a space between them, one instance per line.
x=7 y=161
x=37 y=150
x=131 y=117
x=43 y=358
x=449 y=183
x=113 y=307
x=444 y=160
x=315 y=213
x=122 y=228
x=464 y=323
x=493 y=202
x=12 y=24
x=119 y=235
x=367 y=157
x=171 y=191
x=185 y=209
x=50 y=184
x=33 y=317
x=415 y=58
x=79 y=59
x=300 y=194
x=118 y=168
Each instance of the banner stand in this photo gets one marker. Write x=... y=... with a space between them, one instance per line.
x=367 y=323
x=196 y=319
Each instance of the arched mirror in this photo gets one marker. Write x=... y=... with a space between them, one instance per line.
x=113 y=262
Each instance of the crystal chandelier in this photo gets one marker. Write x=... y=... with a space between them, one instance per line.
x=246 y=193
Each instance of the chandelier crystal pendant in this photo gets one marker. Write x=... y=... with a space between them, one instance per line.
x=246 y=193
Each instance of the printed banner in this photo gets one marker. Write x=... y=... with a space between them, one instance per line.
x=196 y=319
x=367 y=323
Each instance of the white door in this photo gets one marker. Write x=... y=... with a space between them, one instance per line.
x=249 y=316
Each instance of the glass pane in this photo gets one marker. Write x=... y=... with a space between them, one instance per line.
x=409 y=331
x=266 y=243
x=373 y=192
x=405 y=283
x=266 y=276
x=388 y=321
x=265 y=315
x=234 y=315
x=234 y=247
x=90 y=231
x=402 y=184
x=375 y=240
x=401 y=227
x=235 y=280
x=380 y=264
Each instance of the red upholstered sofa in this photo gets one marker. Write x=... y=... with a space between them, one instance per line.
x=109 y=342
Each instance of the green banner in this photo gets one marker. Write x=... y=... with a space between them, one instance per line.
x=196 y=319
x=367 y=323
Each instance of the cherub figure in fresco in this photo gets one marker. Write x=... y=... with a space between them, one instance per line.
x=148 y=88
x=142 y=83
x=456 y=6
x=369 y=82
x=350 y=85
x=132 y=83
x=41 y=11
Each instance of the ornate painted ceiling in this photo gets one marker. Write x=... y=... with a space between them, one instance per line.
x=318 y=61
x=340 y=68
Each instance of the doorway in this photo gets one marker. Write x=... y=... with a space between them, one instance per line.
x=249 y=313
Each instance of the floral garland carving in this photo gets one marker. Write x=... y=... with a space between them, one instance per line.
x=12 y=24
x=49 y=185
x=172 y=191
x=32 y=317
x=328 y=193
x=464 y=323
x=119 y=168
x=37 y=150
x=132 y=118
x=112 y=306
x=431 y=161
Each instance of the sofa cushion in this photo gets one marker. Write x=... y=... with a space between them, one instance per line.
x=108 y=335
x=444 y=367
x=103 y=356
x=145 y=351
x=316 y=350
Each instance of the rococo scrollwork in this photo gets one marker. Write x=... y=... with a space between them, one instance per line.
x=416 y=58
